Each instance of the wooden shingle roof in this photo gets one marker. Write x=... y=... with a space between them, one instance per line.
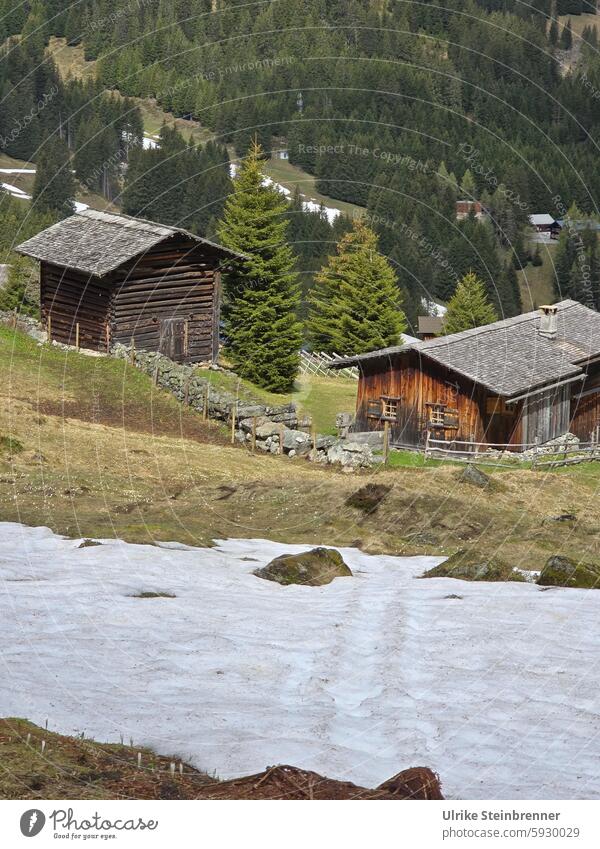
x=98 y=242
x=510 y=357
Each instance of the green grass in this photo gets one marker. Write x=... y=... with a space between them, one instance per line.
x=290 y=176
x=537 y=282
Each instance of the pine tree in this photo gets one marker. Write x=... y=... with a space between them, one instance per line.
x=355 y=305
x=54 y=186
x=566 y=36
x=469 y=306
x=553 y=32
x=261 y=293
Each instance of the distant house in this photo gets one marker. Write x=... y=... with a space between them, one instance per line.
x=545 y=223
x=430 y=326
x=111 y=278
x=532 y=377
x=465 y=207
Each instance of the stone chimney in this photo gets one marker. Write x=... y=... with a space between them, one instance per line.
x=548 y=321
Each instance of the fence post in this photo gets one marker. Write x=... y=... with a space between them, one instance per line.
x=314 y=442
x=535 y=453
x=233 y=419
x=107 y=334
x=281 y=438
x=186 y=397
x=206 y=394
x=253 y=443
x=77 y=336
x=49 y=327
x=427 y=436
x=386 y=442
x=132 y=351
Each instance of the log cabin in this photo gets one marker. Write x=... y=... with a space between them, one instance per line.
x=107 y=278
x=516 y=382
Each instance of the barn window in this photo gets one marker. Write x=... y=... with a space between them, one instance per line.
x=389 y=407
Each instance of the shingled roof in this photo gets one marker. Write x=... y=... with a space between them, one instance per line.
x=510 y=357
x=98 y=242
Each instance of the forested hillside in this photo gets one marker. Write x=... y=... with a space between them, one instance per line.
x=401 y=108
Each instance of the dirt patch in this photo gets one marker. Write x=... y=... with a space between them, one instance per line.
x=288 y=782
x=141 y=418
x=368 y=497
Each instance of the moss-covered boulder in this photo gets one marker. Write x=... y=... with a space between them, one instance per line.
x=561 y=571
x=311 y=568
x=474 y=566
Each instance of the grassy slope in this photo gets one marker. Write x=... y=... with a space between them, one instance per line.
x=536 y=282
x=291 y=176
x=105 y=454
x=75 y=768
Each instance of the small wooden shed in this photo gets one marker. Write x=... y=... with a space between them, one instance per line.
x=530 y=378
x=109 y=278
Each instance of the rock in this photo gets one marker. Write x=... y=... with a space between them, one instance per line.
x=471 y=474
x=350 y=455
x=311 y=568
x=473 y=566
x=374 y=438
x=267 y=429
x=298 y=440
x=368 y=498
x=561 y=571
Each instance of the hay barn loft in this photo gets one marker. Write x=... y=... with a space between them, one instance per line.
x=107 y=278
x=530 y=378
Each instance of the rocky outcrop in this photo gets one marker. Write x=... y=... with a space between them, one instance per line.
x=474 y=566
x=471 y=474
x=350 y=455
x=311 y=568
x=561 y=571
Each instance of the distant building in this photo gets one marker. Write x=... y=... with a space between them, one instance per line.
x=430 y=326
x=545 y=223
x=465 y=207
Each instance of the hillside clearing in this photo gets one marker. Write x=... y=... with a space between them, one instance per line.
x=106 y=454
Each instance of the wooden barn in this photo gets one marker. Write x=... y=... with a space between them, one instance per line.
x=109 y=278
x=525 y=379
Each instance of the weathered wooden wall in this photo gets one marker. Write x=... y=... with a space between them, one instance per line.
x=547 y=415
x=585 y=405
x=168 y=300
x=72 y=298
x=418 y=381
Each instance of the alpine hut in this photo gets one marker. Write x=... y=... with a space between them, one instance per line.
x=515 y=382
x=107 y=278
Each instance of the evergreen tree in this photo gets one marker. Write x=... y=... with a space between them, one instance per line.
x=261 y=294
x=54 y=187
x=566 y=37
x=469 y=306
x=553 y=32
x=21 y=292
x=355 y=305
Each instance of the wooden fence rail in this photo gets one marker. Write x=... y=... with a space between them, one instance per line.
x=316 y=362
x=542 y=456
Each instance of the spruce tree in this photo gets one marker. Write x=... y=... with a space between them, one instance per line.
x=566 y=36
x=260 y=295
x=355 y=305
x=54 y=186
x=469 y=306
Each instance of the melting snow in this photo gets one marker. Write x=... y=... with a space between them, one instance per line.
x=496 y=690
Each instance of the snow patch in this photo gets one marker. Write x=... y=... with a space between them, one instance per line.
x=497 y=690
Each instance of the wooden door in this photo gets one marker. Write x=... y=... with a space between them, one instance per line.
x=173 y=339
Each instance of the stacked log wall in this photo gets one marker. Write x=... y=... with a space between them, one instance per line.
x=71 y=298
x=175 y=280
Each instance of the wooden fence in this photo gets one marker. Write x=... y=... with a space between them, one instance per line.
x=316 y=362
x=492 y=454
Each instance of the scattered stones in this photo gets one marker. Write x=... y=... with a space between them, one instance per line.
x=561 y=571
x=468 y=565
x=88 y=543
x=311 y=568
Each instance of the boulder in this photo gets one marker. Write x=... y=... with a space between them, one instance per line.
x=267 y=429
x=374 y=438
x=471 y=474
x=311 y=568
x=561 y=571
x=350 y=455
x=297 y=440
x=474 y=566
